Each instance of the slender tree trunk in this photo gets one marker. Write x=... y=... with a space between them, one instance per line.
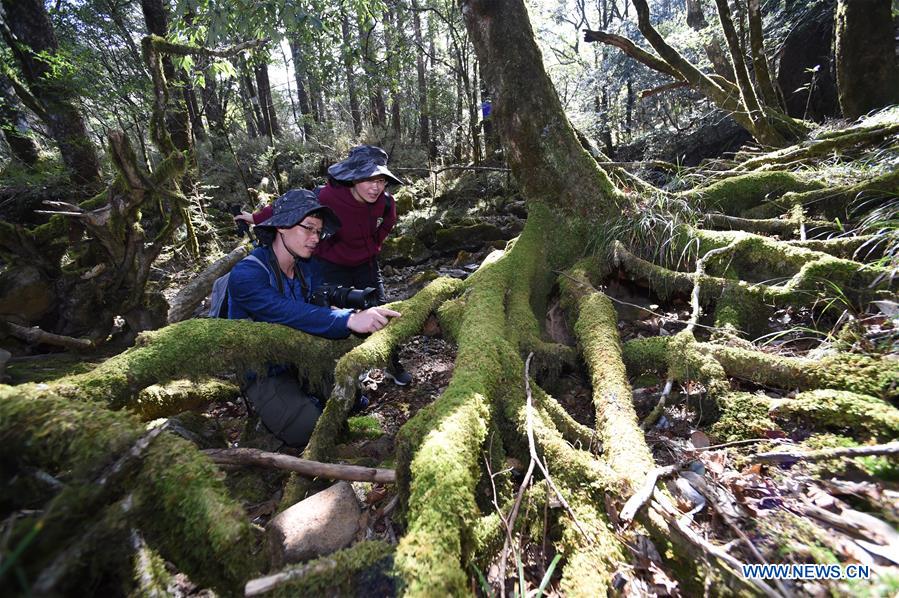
x=29 y=34
x=299 y=71
x=249 y=88
x=394 y=66
x=370 y=45
x=458 y=128
x=249 y=107
x=15 y=126
x=316 y=76
x=714 y=52
x=266 y=103
x=424 y=117
x=867 y=74
x=759 y=59
x=348 y=65
x=212 y=105
x=473 y=111
x=193 y=108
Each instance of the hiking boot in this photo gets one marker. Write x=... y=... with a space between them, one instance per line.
x=400 y=377
x=362 y=403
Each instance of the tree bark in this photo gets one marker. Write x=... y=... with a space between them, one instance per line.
x=349 y=71
x=177 y=115
x=299 y=71
x=424 y=114
x=29 y=34
x=266 y=102
x=15 y=126
x=867 y=74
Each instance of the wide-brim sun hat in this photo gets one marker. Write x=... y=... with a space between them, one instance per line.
x=364 y=162
x=291 y=208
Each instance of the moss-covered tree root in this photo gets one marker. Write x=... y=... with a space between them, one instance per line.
x=176 y=495
x=172 y=353
x=373 y=352
x=363 y=569
x=876 y=377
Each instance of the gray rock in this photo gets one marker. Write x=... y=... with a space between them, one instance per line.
x=319 y=525
x=4 y=358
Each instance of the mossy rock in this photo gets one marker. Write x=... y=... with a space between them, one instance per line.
x=405 y=250
x=405 y=201
x=453 y=239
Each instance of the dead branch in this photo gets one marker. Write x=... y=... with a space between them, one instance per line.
x=891 y=448
x=187 y=299
x=304 y=467
x=35 y=335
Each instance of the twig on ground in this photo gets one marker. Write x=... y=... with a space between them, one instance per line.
x=670 y=513
x=644 y=493
x=304 y=467
x=835 y=453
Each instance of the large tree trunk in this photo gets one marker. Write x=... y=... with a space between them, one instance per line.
x=15 y=126
x=867 y=74
x=29 y=34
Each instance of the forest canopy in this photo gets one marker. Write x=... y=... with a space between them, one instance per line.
x=646 y=260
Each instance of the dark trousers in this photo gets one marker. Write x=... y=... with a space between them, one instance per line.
x=284 y=407
x=361 y=276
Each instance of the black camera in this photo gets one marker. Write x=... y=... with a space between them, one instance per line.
x=336 y=295
x=243 y=228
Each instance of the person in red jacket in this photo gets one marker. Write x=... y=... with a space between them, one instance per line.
x=357 y=193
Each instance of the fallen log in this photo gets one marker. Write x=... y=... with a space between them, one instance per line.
x=304 y=467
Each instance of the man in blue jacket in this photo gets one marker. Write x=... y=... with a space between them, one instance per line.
x=275 y=285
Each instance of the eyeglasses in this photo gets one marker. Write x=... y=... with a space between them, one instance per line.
x=319 y=232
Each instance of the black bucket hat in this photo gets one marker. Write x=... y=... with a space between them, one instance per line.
x=364 y=161
x=290 y=209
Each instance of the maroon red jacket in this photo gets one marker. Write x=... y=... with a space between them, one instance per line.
x=363 y=226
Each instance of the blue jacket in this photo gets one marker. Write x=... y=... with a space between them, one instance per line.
x=252 y=296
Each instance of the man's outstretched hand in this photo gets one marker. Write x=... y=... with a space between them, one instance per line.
x=371 y=320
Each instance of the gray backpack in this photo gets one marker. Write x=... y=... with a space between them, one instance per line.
x=218 y=300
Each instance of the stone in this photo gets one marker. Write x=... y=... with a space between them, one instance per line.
x=316 y=526
x=4 y=358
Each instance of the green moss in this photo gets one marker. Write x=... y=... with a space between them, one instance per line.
x=360 y=569
x=843 y=409
x=872 y=376
x=375 y=351
x=48 y=368
x=190 y=519
x=364 y=427
x=596 y=329
x=439 y=449
x=742 y=416
x=151 y=577
x=160 y=400
x=407 y=249
x=736 y=194
x=882 y=467
x=646 y=354
x=171 y=353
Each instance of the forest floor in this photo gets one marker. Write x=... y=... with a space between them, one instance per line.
x=754 y=510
